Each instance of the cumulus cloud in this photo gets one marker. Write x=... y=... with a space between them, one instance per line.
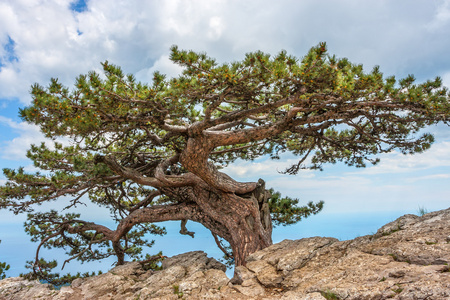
x=429 y=177
x=16 y=148
x=43 y=39
x=441 y=17
x=51 y=40
x=359 y=192
x=253 y=170
x=163 y=65
x=437 y=156
x=446 y=79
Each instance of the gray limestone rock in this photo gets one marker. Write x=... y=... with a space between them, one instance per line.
x=406 y=259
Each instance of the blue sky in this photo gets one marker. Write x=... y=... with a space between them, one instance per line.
x=60 y=38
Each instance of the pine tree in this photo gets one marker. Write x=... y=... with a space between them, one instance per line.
x=153 y=153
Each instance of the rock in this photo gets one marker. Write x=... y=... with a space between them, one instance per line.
x=17 y=288
x=406 y=259
x=184 y=275
x=195 y=260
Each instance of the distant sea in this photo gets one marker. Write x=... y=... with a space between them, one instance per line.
x=16 y=249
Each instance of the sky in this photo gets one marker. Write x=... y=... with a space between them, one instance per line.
x=41 y=39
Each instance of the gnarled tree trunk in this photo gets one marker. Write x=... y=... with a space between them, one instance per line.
x=243 y=220
x=237 y=211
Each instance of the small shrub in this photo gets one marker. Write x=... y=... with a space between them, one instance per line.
x=422 y=211
x=176 y=291
x=394 y=256
x=397 y=290
x=398 y=228
x=329 y=295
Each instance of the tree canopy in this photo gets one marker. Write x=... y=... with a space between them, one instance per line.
x=155 y=152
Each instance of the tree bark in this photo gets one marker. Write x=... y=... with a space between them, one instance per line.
x=252 y=230
x=243 y=220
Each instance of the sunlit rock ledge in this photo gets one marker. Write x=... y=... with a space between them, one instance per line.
x=406 y=259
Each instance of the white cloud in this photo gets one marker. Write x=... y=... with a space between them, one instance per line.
x=441 y=17
x=429 y=177
x=345 y=193
x=16 y=148
x=437 y=156
x=253 y=170
x=164 y=65
x=216 y=28
x=52 y=41
x=446 y=80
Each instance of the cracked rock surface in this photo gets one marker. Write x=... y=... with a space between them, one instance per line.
x=406 y=259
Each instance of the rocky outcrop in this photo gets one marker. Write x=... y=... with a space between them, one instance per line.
x=406 y=259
